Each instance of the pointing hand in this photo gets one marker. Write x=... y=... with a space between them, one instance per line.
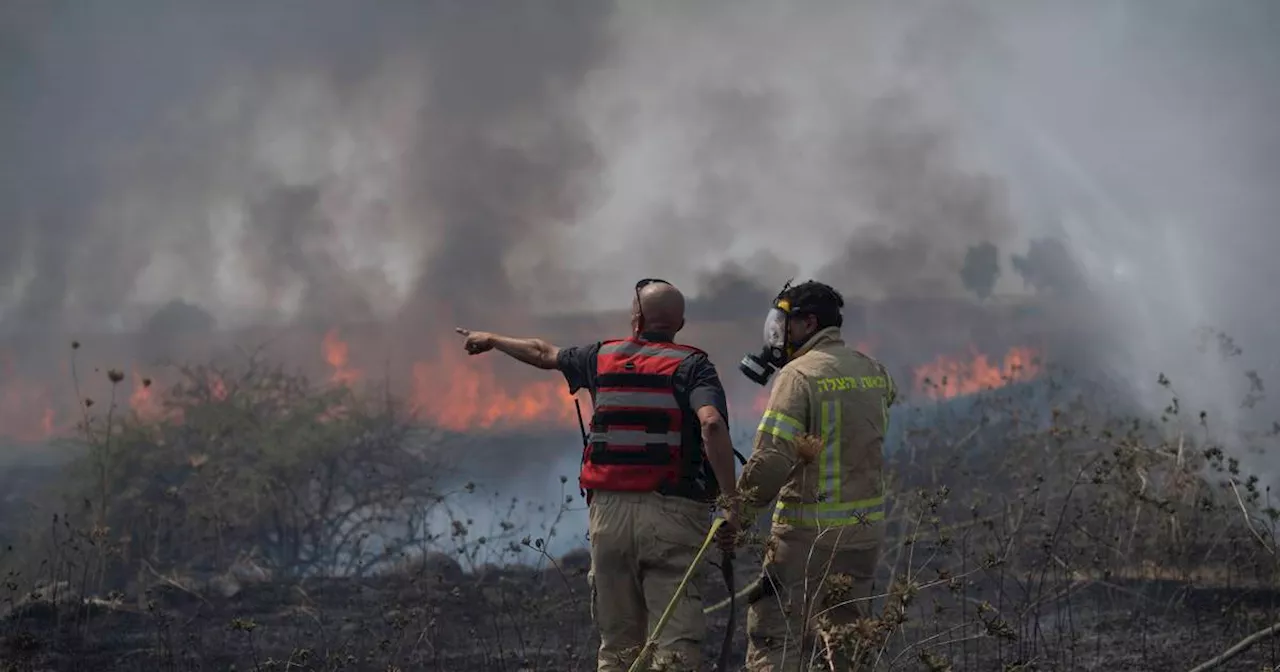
x=477 y=341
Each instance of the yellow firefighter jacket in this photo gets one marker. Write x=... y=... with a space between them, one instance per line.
x=835 y=393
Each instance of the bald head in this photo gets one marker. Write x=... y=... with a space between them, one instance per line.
x=662 y=307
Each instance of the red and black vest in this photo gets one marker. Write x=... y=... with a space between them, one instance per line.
x=641 y=436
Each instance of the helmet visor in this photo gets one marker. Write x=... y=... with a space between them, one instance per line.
x=775 y=328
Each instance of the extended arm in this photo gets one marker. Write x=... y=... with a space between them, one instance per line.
x=531 y=351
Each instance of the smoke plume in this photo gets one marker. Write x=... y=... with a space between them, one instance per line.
x=313 y=160
x=420 y=163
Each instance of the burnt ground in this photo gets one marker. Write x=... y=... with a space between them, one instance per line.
x=525 y=619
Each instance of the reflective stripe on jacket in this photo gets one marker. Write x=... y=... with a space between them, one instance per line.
x=841 y=397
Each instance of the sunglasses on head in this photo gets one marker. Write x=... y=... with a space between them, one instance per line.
x=649 y=281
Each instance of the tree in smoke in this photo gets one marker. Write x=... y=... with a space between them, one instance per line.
x=254 y=461
x=981 y=269
x=171 y=327
x=1048 y=267
x=179 y=316
x=739 y=289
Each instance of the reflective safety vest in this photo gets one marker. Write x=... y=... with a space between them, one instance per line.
x=638 y=438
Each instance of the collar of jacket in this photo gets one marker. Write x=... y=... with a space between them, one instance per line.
x=822 y=338
x=654 y=337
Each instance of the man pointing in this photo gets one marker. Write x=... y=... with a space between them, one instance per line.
x=657 y=455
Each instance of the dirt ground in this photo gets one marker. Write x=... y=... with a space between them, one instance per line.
x=523 y=620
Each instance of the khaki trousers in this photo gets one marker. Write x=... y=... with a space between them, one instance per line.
x=641 y=546
x=812 y=589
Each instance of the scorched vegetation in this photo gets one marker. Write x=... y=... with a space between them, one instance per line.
x=252 y=519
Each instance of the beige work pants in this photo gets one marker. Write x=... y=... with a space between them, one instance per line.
x=812 y=588
x=641 y=546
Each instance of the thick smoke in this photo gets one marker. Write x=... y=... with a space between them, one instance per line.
x=318 y=160
x=1119 y=156
x=736 y=134
x=926 y=208
x=421 y=162
x=1139 y=134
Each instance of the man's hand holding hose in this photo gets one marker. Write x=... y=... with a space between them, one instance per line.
x=720 y=453
x=727 y=535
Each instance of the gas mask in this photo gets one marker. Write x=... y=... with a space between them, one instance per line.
x=760 y=367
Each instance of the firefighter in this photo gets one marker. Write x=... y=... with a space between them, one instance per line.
x=818 y=451
x=655 y=459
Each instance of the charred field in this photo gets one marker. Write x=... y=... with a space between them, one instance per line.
x=262 y=223
x=253 y=518
x=537 y=619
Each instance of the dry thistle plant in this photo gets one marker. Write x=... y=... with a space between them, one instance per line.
x=1034 y=527
x=808 y=447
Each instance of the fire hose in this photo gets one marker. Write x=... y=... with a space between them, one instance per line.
x=726 y=569
x=726 y=572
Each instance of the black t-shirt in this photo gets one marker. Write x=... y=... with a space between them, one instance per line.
x=696 y=382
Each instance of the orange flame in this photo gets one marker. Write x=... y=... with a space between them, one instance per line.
x=46 y=422
x=30 y=410
x=142 y=400
x=457 y=392
x=26 y=413
x=945 y=377
x=460 y=393
x=217 y=387
x=26 y=409
x=336 y=353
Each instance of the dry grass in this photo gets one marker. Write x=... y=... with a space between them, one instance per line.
x=287 y=526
